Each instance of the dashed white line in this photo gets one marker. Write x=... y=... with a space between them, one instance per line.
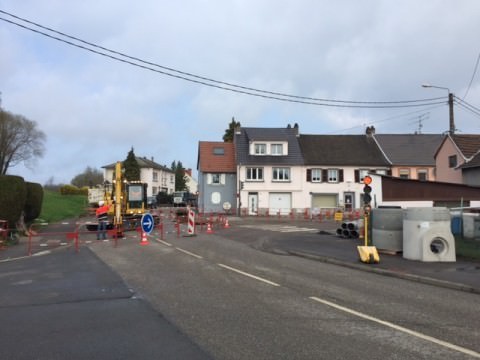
x=399 y=328
x=249 y=275
x=189 y=253
x=163 y=242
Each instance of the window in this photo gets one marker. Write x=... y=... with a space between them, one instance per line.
x=215 y=178
x=422 y=174
x=260 y=149
x=381 y=172
x=255 y=174
x=362 y=173
x=452 y=161
x=218 y=151
x=172 y=179
x=276 y=149
x=404 y=173
x=281 y=174
x=332 y=175
x=316 y=175
x=155 y=177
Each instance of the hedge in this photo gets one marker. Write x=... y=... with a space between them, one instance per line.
x=33 y=203
x=13 y=195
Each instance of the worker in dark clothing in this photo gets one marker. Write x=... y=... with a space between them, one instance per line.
x=102 y=217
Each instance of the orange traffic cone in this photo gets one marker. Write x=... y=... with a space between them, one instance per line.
x=209 y=228
x=144 y=240
x=227 y=225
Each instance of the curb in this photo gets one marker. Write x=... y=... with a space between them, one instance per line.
x=391 y=273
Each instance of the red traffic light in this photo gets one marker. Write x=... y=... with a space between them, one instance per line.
x=367 y=180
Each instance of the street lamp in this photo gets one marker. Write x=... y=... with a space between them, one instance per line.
x=450 y=105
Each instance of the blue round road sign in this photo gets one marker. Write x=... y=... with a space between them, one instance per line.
x=147 y=223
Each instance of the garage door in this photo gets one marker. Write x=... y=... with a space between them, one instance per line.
x=321 y=201
x=280 y=202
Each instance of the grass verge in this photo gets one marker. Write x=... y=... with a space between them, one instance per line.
x=57 y=207
x=468 y=249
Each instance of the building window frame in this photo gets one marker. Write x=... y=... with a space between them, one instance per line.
x=254 y=174
x=260 y=149
x=452 y=161
x=422 y=174
x=276 y=149
x=281 y=174
x=317 y=175
x=404 y=173
x=333 y=176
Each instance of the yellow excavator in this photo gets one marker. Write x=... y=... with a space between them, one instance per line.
x=127 y=202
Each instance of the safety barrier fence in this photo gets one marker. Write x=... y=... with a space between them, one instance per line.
x=315 y=214
x=42 y=237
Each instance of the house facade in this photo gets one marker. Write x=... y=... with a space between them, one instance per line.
x=335 y=166
x=217 y=177
x=157 y=177
x=454 y=156
x=269 y=165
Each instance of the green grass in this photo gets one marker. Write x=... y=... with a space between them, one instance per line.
x=57 y=207
x=469 y=249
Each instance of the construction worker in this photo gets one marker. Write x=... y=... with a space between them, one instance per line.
x=102 y=217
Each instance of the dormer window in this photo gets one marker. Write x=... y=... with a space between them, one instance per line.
x=276 y=149
x=260 y=149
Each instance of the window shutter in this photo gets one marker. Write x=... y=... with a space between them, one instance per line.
x=324 y=175
x=222 y=179
x=209 y=178
x=357 y=176
x=340 y=175
x=309 y=175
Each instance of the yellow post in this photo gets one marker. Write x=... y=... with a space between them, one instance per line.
x=118 y=221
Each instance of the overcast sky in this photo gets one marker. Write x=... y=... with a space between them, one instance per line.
x=94 y=109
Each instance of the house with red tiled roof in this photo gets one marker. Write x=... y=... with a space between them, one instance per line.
x=217 y=177
x=456 y=159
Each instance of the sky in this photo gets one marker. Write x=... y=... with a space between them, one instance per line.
x=94 y=109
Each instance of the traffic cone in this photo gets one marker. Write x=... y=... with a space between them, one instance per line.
x=227 y=225
x=209 y=228
x=144 y=240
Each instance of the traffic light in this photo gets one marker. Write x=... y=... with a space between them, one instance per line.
x=367 y=189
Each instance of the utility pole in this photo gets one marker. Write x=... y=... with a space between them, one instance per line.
x=450 y=107
x=451 y=129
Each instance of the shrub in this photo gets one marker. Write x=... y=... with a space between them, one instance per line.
x=33 y=203
x=72 y=190
x=13 y=194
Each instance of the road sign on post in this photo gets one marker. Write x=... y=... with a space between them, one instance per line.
x=147 y=223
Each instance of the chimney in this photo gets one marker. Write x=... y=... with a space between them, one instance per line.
x=295 y=127
x=370 y=131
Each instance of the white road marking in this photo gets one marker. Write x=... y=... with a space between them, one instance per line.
x=189 y=253
x=280 y=228
x=164 y=242
x=249 y=275
x=399 y=328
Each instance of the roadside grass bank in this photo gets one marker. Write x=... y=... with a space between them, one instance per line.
x=57 y=207
x=468 y=249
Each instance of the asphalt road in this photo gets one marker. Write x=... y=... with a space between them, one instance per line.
x=237 y=301
x=72 y=306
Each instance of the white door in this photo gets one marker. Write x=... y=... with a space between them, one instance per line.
x=252 y=204
x=280 y=202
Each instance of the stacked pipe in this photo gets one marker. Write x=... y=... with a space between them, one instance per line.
x=350 y=229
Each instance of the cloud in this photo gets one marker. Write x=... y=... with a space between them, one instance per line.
x=94 y=109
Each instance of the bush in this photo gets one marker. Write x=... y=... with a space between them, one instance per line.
x=33 y=203
x=73 y=190
x=13 y=195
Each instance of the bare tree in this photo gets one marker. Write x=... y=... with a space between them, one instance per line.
x=20 y=141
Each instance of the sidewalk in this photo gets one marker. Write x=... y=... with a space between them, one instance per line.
x=464 y=274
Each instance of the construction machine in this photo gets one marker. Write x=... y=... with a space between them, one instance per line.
x=127 y=201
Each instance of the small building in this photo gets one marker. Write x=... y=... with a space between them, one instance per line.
x=158 y=178
x=217 y=179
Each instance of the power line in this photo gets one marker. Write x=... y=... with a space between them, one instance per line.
x=473 y=76
x=213 y=83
